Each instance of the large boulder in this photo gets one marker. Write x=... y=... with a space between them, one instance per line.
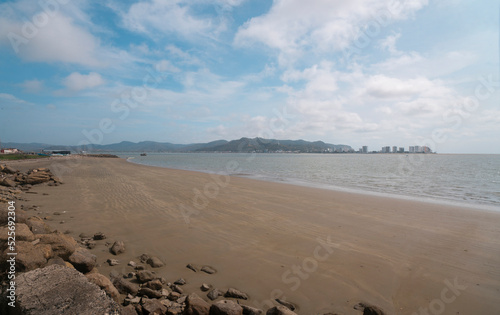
x=38 y=226
x=37 y=178
x=28 y=256
x=83 y=260
x=225 y=307
x=62 y=244
x=280 y=310
x=105 y=284
x=22 y=233
x=368 y=309
x=196 y=306
x=20 y=215
x=57 y=290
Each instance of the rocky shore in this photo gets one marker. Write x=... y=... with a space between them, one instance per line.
x=58 y=274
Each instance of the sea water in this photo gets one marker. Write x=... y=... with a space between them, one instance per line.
x=469 y=180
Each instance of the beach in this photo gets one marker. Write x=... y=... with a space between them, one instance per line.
x=322 y=250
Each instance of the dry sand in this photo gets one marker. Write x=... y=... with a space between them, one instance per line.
x=323 y=250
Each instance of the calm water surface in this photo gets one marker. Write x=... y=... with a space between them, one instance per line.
x=472 y=180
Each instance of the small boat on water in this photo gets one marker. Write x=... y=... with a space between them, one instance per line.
x=143 y=154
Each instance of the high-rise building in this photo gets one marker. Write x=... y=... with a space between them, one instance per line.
x=411 y=150
x=394 y=149
x=365 y=149
x=401 y=150
x=418 y=149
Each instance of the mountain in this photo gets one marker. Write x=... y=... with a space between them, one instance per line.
x=272 y=145
x=241 y=145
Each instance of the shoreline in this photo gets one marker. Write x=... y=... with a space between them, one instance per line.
x=395 y=254
x=354 y=190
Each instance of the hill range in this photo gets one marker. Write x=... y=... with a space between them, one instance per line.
x=243 y=145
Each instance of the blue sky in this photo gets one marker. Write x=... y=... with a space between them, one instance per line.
x=360 y=72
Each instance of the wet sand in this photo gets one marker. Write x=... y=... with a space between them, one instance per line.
x=323 y=250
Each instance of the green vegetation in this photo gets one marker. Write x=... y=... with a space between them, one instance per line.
x=19 y=156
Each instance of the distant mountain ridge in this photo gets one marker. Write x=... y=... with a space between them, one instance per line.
x=240 y=145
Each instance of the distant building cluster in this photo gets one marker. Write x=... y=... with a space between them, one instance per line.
x=395 y=149
x=9 y=151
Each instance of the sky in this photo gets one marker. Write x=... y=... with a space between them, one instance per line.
x=359 y=72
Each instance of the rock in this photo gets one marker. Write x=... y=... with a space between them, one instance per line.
x=22 y=233
x=208 y=269
x=69 y=265
x=7 y=182
x=128 y=310
x=247 y=310
x=189 y=266
x=117 y=248
x=38 y=226
x=62 y=245
x=196 y=306
x=153 y=307
x=286 y=304
x=9 y=170
x=144 y=258
x=176 y=288
x=280 y=310
x=205 y=287
x=37 y=178
x=56 y=261
x=99 y=236
x=181 y=281
x=132 y=264
x=45 y=249
x=154 y=284
x=84 y=236
x=124 y=286
x=83 y=260
x=174 y=296
x=20 y=216
x=132 y=300
x=105 y=284
x=56 y=290
x=225 y=307
x=214 y=294
x=145 y=276
x=153 y=294
x=368 y=309
x=28 y=256
x=175 y=309
x=236 y=294
x=112 y=262
x=155 y=262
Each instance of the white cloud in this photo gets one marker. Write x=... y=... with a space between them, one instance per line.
x=166 y=66
x=295 y=26
x=389 y=44
x=165 y=16
x=11 y=101
x=77 y=81
x=32 y=86
x=56 y=37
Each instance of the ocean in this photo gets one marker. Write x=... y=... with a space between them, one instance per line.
x=466 y=180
